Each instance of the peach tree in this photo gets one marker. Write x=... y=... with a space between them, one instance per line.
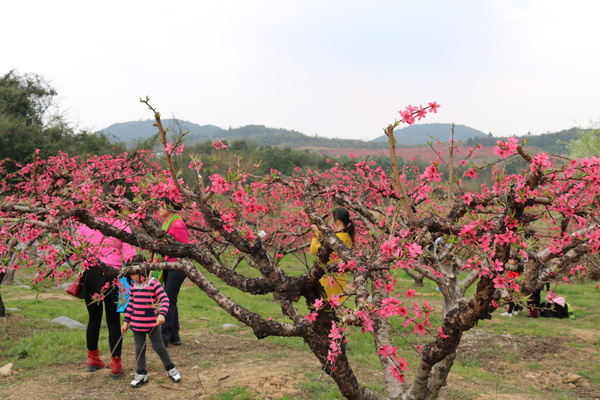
x=431 y=223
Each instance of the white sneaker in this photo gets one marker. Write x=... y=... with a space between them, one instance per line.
x=515 y=313
x=174 y=374
x=506 y=314
x=139 y=380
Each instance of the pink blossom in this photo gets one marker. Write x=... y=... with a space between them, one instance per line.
x=506 y=149
x=318 y=304
x=431 y=173
x=331 y=357
x=471 y=172
x=334 y=333
x=387 y=351
x=407 y=115
x=169 y=148
x=396 y=373
x=402 y=364
x=468 y=197
x=499 y=282
x=414 y=250
x=541 y=161
x=420 y=328
x=433 y=107
x=498 y=265
x=334 y=301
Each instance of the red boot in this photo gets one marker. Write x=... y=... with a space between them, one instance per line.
x=533 y=312
x=116 y=367
x=94 y=362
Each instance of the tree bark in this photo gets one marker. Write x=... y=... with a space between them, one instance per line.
x=418 y=277
x=438 y=376
x=9 y=276
x=457 y=321
x=382 y=336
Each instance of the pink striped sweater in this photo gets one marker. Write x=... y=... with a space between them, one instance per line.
x=143 y=308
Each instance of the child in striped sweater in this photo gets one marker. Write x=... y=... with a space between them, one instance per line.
x=148 y=305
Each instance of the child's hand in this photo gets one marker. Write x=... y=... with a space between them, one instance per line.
x=160 y=320
x=315 y=229
x=124 y=328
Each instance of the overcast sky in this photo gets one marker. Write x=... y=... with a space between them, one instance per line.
x=332 y=68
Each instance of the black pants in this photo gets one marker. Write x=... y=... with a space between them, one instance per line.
x=157 y=344
x=170 y=329
x=93 y=281
x=512 y=306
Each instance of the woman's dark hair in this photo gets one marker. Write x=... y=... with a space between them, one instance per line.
x=171 y=204
x=112 y=188
x=341 y=214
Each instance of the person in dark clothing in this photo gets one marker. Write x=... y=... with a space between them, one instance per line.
x=174 y=226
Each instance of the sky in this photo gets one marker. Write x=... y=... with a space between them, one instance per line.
x=338 y=69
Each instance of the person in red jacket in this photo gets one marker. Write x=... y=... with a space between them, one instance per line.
x=148 y=306
x=174 y=226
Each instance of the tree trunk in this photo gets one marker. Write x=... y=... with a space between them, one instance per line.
x=452 y=294
x=382 y=336
x=456 y=321
x=341 y=372
x=8 y=277
x=438 y=376
x=418 y=277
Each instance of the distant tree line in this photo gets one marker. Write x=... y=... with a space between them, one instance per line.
x=30 y=120
x=551 y=143
x=284 y=137
x=262 y=159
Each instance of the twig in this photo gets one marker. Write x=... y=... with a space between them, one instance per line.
x=555 y=370
x=399 y=185
x=170 y=387
x=200 y=381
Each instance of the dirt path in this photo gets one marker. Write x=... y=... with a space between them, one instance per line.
x=498 y=367
x=209 y=364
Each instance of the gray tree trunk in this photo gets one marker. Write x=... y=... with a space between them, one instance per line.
x=9 y=276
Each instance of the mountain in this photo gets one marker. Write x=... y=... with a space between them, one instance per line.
x=410 y=136
x=422 y=133
x=285 y=138
x=130 y=132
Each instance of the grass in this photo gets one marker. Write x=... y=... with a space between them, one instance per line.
x=238 y=393
x=33 y=342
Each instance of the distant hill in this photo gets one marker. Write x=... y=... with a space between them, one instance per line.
x=279 y=137
x=130 y=132
x=422 y=133
x=408 y=137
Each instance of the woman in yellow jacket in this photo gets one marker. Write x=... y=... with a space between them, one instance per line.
x=344 y=229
